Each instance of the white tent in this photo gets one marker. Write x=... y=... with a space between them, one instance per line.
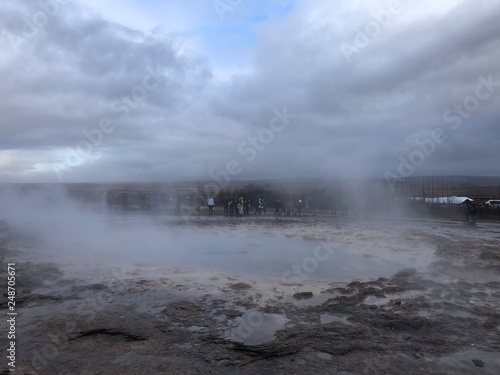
x=445 y=200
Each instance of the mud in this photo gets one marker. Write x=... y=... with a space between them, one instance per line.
x=437 y=314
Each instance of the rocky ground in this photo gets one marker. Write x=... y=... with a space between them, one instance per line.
x=444 y=319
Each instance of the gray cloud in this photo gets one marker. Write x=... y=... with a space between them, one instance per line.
x=353 y=118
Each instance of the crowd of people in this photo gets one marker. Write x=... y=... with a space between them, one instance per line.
x=232 y=206
x=239 y=206
x=291 y=207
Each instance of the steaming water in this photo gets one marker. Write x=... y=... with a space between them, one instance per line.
x=69 y=233
x=138 y=240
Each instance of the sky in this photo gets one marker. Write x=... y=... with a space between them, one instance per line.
x=150 y=90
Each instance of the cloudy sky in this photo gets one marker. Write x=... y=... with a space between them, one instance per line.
x=150 y=90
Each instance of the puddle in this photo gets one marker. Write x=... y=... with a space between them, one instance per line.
x=255 y=328
x=325 y=356
x=424 y=314
x=337 y=318
x=372 y=300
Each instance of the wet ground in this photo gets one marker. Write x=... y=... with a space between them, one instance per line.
x=135 y=294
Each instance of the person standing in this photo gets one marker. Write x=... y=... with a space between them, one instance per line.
x=211 y=204
x=241 y=204
x=258 y=207
x=473 y=213
x=299 y=208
